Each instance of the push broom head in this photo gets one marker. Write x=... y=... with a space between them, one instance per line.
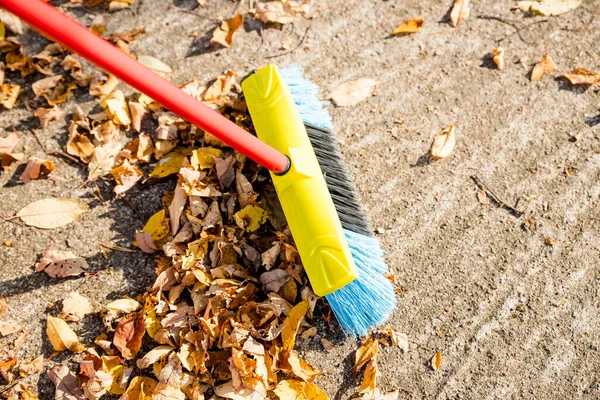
x=342 y=259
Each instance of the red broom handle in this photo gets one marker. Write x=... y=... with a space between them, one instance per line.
x=58 y=27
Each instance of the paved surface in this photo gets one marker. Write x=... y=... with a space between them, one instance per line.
x=512 y=316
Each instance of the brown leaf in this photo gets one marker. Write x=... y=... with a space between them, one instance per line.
x=32 y=367
x=410 y=26
x=498 y=57
x=66 y=383
x=79 y=145
x=269 y=257
x=61 y=335
x=273 y=12
x=370 y=378
x=460 y=11
x=7 y=328
x=137 y=112
x=436 y=361
x=246 y=194
x=128 y=335
x=482 y=197
x=327 y=345
x=140 y=388
x=545 y=66
x=102 y=85
x=37 y=168
x=103 y=160
x=443 y=143
x=225 y=171
x=223 y=35
x=60 y=264
x=126 y=177
x=45 y=115
x=366 y=352
x=9 y=94
x=353 y=92
x=292 y=323
x=145 y=242
x=274 y=280
x=582 y=76
x=301 y=368
x=548 y=7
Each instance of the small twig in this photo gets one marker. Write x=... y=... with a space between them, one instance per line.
x=495 y=198
x=66 y=156
x=295 y=48
x=518 y=25
x=37 y=138
x=111 y=246
x=130 y=206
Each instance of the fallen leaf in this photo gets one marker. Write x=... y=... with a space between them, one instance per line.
x=32 y=367
x=61 y=335
x=377 y=394
x=273 y=12
x=117 y=108
x=153 y=356
x=269 y=257
x=225 y=171
x=103 y=160
x=482 y=197
x=51 y=212
x=205 y=157
x=145 y=242
x=7 y=328
x=550 y=241
x=292 y=323
x=37 y=168
x=223 y=34
x=140 y=388
x=126 y=176
x=370 y=378
x=8 y=94
x=396 y=338
x=169 y=164
x=45 y=115
x=102 y=85
x=250 y=218
x=443 y=143
x=128 y=335
x=11 y=22
x=124 y=305
x=410 y=26
x=154 y=64
x=67 y=385
x=366 y=352
x=274 y=280
x=353 y=92
x=582 y=76
x=436 y=361
x=498 y=58
x=75 y=307
x=61 y=264
x=327 y=345
x=158 y=226
x=291 y=389
x=460 y=12
x=549 y=7
x=545 y=66
x=79 y=145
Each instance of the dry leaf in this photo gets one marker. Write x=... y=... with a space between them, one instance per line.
x=549 y=7
x=410 y=26
x=366 y=352
x=582 y=76
x=9 y=94
x=45 y=115
x=273 y=12
x=51 y=213
x=460 y=12
x=60 y=264
x=117 y=108
x=37 y=168
x=11 y=22
x=158 y=226
x=79 y=145
x=67 y=385
x=250 y=218
x=103 y=160
x=436 y=361
x=370 y=378
x=140 y=388
x=126 y=177
x=145 y=242
x=291 y=389
x=292 y=323
x=498 y=57
x=545 y=66
x=301 y=368
x=169 y=164
x=124 y=305
x=75 y=307
x=443 y=143
x=353 y=92
x=269 y=257
x=154 y=64
x=377 y=394
x=32 y=367
x=153 y=356
x=128 y=335
x=61 y=335
x=7 y=328
x=396 y=338
x=327 y=345
x=223 y=35
x=274 y=280
x=482 y=197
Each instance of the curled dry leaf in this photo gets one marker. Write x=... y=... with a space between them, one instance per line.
x=60 y=264
x=128 y=335
x=223 y=34
x=396 y=338
x=443 y=143
x=61 y=335
x=8 y=94
x=292 y=323
x=353 y=92
x=145 y=242
x=549 y=7
x=11 y=22
x=126 y=176
x=154 y=64
x=482 y=197
x=79 y=145
x=370 y=378
x=51 y=212
x=327 y=345
x=366 y=352
x=153 y=356
x=436 y=361
x=274 y=12
x=124 y=305
x=37 y=168
x=582 y=76
x=45 y=115
x=545 y=66
x=7 y=145
x=140 y=388
x=32 y=367
x=274 y=280
x=103 y=160
x=498 y=57
x=67 y=384
x=75 y=307
x=410 y=26
x=460 y=11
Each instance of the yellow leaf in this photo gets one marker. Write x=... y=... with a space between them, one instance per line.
x=292 y=389
x=27 y=395
x=546 y=65
x=117 y=108
x=204 y=157
x=119 y=383
x=150 y=319
x=154 y=64
x=140 y=388
x=51 y=213
x=410 y=26
x=436 y=360
x=582 y=76
x=292 y=322
x=2 y=31
x=61 y=335
x=365 y=353
x=158 y=226
x=250 y=218
x=223 y=35
x=370 y=378
x=169 y=164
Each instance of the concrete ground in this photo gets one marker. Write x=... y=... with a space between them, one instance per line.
x=513 y=316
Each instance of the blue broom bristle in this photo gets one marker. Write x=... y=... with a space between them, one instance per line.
x=369 y=300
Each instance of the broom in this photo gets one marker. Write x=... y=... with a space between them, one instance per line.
x=342 y=259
